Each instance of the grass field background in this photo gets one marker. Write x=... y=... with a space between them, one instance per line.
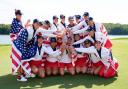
x=120 y=51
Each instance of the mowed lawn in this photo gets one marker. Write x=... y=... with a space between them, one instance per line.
x=120 y=51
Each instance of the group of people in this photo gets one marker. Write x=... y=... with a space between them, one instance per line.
x=47 y=48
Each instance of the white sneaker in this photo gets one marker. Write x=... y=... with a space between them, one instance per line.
x=22 y=79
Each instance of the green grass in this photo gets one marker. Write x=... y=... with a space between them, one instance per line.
x=120 y=51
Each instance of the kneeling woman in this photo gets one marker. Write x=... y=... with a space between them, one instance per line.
x=65 y=61
x=52 y=61
x=102 y=63
x=37 y=64
x=82 y=58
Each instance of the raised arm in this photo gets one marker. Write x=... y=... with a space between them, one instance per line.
x=43 y=31
x=82 y=40
x=52 y=53
x=78 y=26
x=81 y=30
x=86 y=50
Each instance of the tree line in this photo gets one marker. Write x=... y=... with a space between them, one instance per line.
x=113 y=29
x=116 y=29
x=4 y=29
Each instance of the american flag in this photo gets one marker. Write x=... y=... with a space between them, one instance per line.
x=103 y=30
x=21 y=51
x=17 y=61
x=16 y=27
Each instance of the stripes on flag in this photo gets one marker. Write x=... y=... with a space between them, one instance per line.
x=103 y=30
x=17 y=61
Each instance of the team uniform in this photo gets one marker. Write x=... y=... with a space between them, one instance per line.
x=98 y=35
x=38 y=60
x=103 y=59
x=61 y=26
x=65 y=61
x=55 y=26
x=46 y=34
x=98 y=27
x=78 y=19
x=82 y=58
x=71 y=25
x=52 y=60
x=80 y=26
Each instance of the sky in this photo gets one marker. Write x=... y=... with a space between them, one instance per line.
x=104 y=11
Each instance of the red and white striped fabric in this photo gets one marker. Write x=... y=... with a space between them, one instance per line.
x=17 y=61
x=103 y=30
